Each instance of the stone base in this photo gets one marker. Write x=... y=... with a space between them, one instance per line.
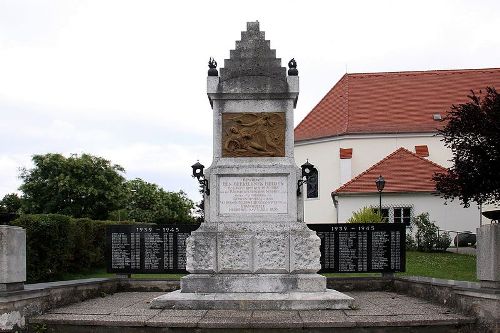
x=252 y=283
x=488 y=255
x=11 y=286
x=328 y=299
x=490 y=284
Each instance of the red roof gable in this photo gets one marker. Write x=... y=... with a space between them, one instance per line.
x=397 y=102
x=402 y=170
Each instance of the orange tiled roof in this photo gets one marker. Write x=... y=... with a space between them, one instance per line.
x=397 y=102
x=402 y=170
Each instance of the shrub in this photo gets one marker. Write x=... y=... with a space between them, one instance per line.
x=443 y=242
x=49 y=242
x=58 y=244
x=411 y=243
x=427 y=235
x=365 y=215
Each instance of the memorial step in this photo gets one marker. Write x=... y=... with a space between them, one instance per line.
x=387 y=312
x=267 y=322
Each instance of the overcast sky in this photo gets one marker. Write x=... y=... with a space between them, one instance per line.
x=126 y=80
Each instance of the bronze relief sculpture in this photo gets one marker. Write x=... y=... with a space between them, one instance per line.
x=253 y=134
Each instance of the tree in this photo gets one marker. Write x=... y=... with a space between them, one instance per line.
x=147 y=202
x=366 y=215
x=200 y=207
x=472 y=133
x=11 y=203
x=79 y=186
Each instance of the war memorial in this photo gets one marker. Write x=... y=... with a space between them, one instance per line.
x=254 y=250
x=253 y=263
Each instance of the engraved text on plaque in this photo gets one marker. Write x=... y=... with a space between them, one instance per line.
x=253 y=195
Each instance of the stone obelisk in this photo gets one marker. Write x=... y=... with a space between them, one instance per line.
x=253 y=250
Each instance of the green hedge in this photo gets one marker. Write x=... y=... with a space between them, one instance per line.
x=58 y=244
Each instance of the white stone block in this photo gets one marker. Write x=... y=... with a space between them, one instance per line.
x=305 y=252
x=271 y=253
x=235 y=253
x=12 y=254
x=201 y=252
x=488 y=254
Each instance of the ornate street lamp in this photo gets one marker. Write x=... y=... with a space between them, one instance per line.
x=198 y=174
x=380 y=182
x=307 y=171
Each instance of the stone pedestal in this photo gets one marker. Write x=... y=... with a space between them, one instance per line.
x=488 y=255
x=12 y=258
x=253 y=251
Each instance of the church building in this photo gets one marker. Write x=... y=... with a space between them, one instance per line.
x=386 y=124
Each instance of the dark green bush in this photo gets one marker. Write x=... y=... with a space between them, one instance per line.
x=49 y=242
x=427 y=236
x=58 y=244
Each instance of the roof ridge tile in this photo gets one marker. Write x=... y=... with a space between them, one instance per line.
x=402 y=152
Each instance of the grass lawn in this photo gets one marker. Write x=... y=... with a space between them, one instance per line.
x=446 y=265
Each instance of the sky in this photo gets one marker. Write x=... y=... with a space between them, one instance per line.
x=126 y=80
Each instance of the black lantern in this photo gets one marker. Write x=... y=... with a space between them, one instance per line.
x=380 y=182
x=307 y=171
x=198 y=174
x=198 y=170
x=306 y=168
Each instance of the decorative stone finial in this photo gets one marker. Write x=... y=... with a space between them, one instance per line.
x=292 y=65
x=212 y=65
x=253 y=56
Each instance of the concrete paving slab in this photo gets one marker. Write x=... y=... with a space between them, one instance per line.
x=276 y=319
x=141 y=309
x=73 y=319
x=228 y=314
x=182 y=313
x=373 y=294
x=129 y=321
x=83 y=309
x=369 y=311
x=275 y=314
x=374 y=309
x=404 y=320
x=325 y=318
x=173 y=322
x=224 y=322
x=400 y=308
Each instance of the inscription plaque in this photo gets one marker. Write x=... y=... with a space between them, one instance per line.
x=257 y=134
x=253 y=195
x=147 y=249
x=362 y=247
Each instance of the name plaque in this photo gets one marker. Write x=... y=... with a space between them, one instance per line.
x=253 y=195
x=147 y=249
x=362 y=247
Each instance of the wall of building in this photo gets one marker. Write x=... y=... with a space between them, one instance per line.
x=449 y=216
x=367 y=150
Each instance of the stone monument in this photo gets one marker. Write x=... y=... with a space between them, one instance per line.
x=488 y=255
x=12 y=258
x=253 y=250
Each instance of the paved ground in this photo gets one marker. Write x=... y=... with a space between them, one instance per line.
x=463 y=250
x=372 y=309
